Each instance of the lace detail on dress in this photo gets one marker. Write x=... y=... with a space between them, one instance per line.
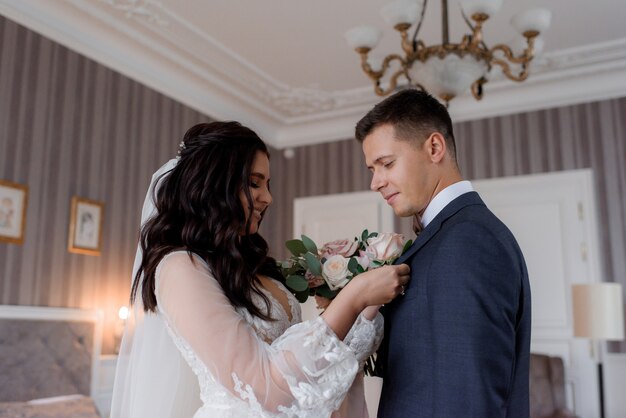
x=365 y=336
x=328 y=368
x=270 y=330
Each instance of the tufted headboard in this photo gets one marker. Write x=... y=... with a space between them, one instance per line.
x=47 y=352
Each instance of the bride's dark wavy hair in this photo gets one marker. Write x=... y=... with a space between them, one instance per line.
x=199 y=210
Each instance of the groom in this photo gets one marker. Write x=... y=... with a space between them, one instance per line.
x=457 y=343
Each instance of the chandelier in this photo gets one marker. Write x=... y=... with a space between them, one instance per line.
x=449 y=69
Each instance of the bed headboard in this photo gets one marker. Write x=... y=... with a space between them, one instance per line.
x=48 y=352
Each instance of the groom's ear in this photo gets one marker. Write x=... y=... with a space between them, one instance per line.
x=435 y=147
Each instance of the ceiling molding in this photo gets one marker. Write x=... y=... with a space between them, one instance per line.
x=153 y=45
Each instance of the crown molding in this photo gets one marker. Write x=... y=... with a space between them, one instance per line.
x=153 y=45
x=568 y=77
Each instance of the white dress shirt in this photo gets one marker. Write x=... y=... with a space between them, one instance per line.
x=444 y=197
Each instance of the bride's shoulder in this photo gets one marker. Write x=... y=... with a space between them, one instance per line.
x=181 y=260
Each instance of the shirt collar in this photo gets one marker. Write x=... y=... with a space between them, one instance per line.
x=444 y=197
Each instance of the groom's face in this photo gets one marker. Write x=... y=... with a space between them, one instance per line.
x=401 y=171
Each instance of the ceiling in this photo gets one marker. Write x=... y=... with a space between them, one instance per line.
x=283 y=67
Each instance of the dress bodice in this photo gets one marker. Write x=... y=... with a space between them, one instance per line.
x=271 y=330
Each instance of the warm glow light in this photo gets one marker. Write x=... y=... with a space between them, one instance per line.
x=123 y=313
x=598 y=311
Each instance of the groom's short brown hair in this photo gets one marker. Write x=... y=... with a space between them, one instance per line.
x=414 y=115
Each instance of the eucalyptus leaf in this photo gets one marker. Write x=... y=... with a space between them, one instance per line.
x=353 y=266
x=373 y=234
x=313 y=263
x=302 y=296
x=295 y=269
x=309 y=244
x=407 y=246
x=364 y=235
x=297 y=283
x=325 y=291
x=296 y=247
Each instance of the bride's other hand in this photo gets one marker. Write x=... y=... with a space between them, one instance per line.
x=321 y=302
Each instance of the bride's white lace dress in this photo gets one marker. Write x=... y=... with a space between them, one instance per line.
x=248 y=367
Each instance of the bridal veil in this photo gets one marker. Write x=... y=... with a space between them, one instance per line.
x=152 y=378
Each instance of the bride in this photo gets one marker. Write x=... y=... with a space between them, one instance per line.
x=209 y=302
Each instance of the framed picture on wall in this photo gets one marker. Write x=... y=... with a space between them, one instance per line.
x=85 y=236
x=13 y=201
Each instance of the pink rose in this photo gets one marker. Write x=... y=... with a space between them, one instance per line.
x=363 y=259
x=342 y=247
x=314 y=281
x=385 y=246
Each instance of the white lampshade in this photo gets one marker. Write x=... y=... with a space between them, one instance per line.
x=450 y=76
x=488 y=7
x=401 y=11
x=363 y=37
x=532 y=20
x=598 y=311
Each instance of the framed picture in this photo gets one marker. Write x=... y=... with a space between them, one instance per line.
x=85 y=235
x=13 y=201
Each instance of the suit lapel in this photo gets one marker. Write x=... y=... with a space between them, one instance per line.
x=466 y=199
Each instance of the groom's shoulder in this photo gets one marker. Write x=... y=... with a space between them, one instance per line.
x=474 y=222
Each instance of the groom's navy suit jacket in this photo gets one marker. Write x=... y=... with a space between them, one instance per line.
x=457 y=343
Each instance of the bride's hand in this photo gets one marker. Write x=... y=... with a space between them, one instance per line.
x=381 y=285
x=374 y=287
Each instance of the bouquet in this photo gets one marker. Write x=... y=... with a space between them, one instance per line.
x=325 y=271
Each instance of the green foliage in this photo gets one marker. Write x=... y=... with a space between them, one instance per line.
x=297 y=283
x=309 y=244
x=296 y=247
x=315 y=266
x=353 y=266
x=325 y=291
x=302 y=296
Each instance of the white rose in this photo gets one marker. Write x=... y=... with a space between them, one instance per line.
x=385 y=246
x=335 y=272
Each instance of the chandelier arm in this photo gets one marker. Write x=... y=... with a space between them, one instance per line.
x=375 y=76
x=477 y=88
x=393 y=83
x=419 y=25
x=506 y=69
x=523 y=59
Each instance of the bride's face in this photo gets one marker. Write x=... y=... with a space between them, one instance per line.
x=259 y=186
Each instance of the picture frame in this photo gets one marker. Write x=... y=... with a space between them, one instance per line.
x=86 y=221
x=13 y=203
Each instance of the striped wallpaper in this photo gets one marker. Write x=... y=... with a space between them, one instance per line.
x=69 y=126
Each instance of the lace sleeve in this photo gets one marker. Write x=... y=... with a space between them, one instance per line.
x=365 y=336
x=305 y=373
